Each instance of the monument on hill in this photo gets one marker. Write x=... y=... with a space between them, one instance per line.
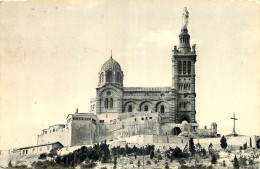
x=234 y=133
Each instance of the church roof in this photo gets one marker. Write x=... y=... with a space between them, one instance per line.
x=147 y=89
x=111 y=64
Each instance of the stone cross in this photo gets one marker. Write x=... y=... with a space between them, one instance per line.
x=234 y=118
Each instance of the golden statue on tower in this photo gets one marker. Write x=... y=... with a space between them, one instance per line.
x=185 y=17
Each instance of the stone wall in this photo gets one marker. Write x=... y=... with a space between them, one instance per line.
x=83 y=132
x=59 y=135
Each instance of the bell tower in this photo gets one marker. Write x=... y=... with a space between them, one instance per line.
x=183 y=69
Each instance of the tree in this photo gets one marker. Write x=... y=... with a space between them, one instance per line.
x=42 y=156
x=166 y=166
x=128 y=149
x=191 y=146
x=245 y=146
x=151 y=155
x=235 y=164
x=258 y=143
x=138 y=163
x=10 y=164
x=159 y=157
x=210 y=148
x=224 y=163
x=115 y=162
x=214 y=159
x=223 y=142
x=203 y=152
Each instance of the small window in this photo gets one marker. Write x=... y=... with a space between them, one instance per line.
x=135 y=119
x=108 y=93
x=189 y=67
x=142 y=118
x=184 y=67
x=146 y=118
x=101 y=121
x=150 y=117
x=53 y=130
x=50 y=131
x=111 y=103
x=45 y=132
x=179 y=67
x=26 y=151
x=146 y=108
x=106 y=103
x=130 y=108
x=48 y=147
x=162 y=109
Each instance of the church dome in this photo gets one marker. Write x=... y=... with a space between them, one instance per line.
x=111 y=64
x=111 y=73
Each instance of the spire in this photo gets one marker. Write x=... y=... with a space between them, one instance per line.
x=111 y=55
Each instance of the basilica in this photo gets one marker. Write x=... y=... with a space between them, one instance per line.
x=156 y=114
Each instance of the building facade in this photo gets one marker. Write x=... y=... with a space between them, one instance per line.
x=175 y=103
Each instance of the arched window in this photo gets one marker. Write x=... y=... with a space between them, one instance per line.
x=109 y=76
x=189 y=67
x=146 y=108
x=101 y=78
x=179 y=67
x=184 y=67
x=118 y=77
x=111 y=103
x=130 y=108
x=106 y=103
x=162 y=109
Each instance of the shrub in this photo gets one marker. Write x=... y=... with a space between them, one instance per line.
x=159 y=157
x=181 y=161
x=148 y=162
x=151 y=155
x=42 y=156
x=22 y=166
x=235 y=164
x=223 y=142
x=214 y=159
x=245 y=146
x=166 y=166
x=53 y=153
x=191 y=146
x=148 y=149
x=242 y=161
x=10 y=164
x=203 y=152
x=122 y=151
x=90 y=165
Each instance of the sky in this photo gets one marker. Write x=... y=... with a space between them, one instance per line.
x=51 y=53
